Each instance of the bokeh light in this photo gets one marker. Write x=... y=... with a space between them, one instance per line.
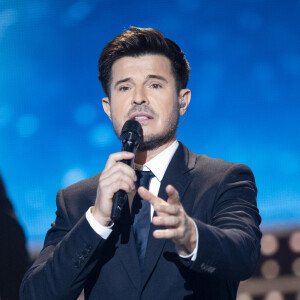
x=270 y=269
x=269 y=244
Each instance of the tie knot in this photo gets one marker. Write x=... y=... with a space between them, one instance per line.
x=143 y=178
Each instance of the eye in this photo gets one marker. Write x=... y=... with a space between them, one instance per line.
x=155 y=86
x=123 y=88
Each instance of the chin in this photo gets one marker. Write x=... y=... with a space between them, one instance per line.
x=153 y=142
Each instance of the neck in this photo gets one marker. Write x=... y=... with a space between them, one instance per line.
x=143 y=157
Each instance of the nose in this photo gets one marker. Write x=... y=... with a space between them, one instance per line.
x=139 y=96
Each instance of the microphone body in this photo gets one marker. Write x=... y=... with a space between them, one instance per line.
x=131 y=135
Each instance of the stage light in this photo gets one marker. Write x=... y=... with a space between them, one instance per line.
x=270 y=269
x=296 y=267
x=244 y=296
x=294 y=242
x=27 y=125
x=72 y=176
x=269 y=245
x=274 y=295
x=102 y=135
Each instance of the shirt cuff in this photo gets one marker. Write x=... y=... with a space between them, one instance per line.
x=193 y=255
x=103 y=231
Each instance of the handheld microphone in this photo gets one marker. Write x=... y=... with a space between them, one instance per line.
x=130 y=136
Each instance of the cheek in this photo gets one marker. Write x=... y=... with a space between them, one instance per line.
x=118 y=110
x=167 y=111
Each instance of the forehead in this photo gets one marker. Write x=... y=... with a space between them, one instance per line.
x=141 y=67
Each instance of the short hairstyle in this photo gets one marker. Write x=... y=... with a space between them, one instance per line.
x=137 y=42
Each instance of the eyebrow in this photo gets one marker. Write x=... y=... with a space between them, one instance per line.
x=121 y=81
x=157 y=77
x=148 y=77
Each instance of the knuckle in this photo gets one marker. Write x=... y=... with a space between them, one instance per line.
x=127 y=186
x=174 y=221
x=181 y=232
x=132 y=172
x=111 y=156
x=175 y=209
x=119 y=166
x=102 y=184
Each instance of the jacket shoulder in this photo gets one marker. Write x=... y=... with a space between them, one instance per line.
x=90 y=183
x=79 y=196
x=214 y=167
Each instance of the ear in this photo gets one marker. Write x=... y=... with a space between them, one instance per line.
x=106 y=106
x=186 y=96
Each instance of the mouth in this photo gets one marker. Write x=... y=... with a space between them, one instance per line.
x=141 y=117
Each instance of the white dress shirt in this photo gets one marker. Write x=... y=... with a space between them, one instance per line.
x=158 y=166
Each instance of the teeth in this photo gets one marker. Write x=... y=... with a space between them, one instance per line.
x=141 y=118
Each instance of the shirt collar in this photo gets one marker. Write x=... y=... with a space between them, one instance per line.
x=158 y=164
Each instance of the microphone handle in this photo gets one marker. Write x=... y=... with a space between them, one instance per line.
x=121 y=197
x=119 y=200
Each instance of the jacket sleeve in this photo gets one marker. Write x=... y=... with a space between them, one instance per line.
x=67 y=258
x=229 y=247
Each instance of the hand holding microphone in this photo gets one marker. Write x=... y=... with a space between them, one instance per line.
x=131 y=135
x=117 y=180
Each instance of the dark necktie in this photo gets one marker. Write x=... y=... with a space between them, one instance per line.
x=141 y=214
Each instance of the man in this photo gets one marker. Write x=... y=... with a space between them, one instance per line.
x=204 y=236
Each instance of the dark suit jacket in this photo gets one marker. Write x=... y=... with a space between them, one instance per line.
x=219 y=196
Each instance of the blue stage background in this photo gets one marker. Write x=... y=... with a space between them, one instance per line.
x=245 y=78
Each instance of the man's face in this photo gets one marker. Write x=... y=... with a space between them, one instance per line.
x=143 y=89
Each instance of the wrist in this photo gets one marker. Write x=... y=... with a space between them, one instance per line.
x=190 y=243
x=104 y=221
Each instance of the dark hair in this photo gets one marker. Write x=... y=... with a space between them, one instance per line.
x=138 y=42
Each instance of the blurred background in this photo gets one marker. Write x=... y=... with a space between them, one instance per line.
x=245 y=78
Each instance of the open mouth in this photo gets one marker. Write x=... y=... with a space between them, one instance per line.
x=141 y=117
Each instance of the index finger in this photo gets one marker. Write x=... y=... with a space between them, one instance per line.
x=173 y=195
x=148 y=196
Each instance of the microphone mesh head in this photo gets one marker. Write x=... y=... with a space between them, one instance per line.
x=132 y=127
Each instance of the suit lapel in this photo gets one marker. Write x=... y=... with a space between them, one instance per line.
x=178 y=175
